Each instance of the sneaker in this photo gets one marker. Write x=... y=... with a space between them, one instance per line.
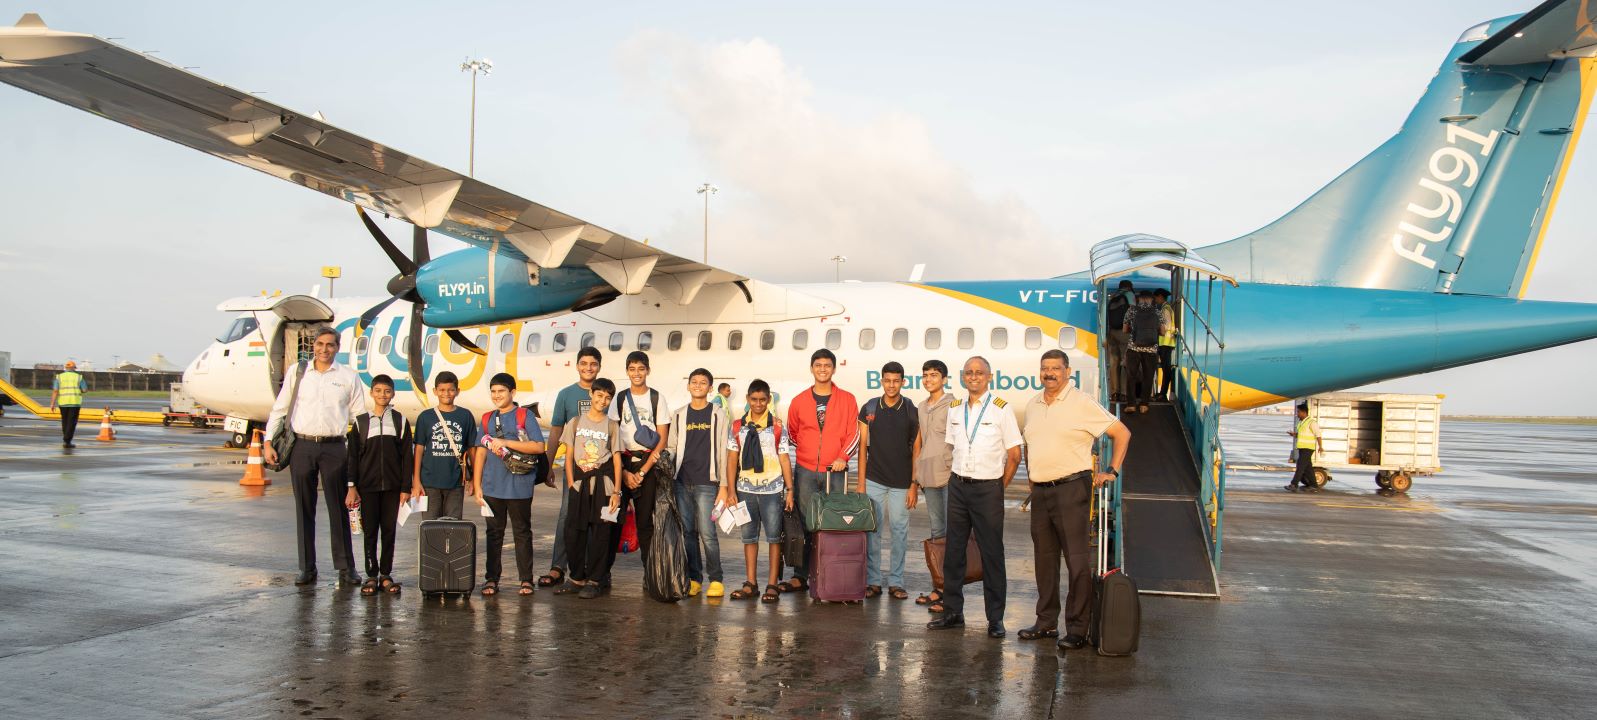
x=693 y=588
x=1292 y=487
x=715 y=590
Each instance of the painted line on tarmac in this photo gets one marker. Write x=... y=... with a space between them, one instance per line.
x=1394 y=508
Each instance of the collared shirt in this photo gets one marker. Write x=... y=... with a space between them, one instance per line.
x=936 y=457
x=1060 y=434
x=328 y=400
x=981 y=451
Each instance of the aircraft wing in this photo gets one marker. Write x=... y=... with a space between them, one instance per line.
x=143 y=92
x=1553 y=30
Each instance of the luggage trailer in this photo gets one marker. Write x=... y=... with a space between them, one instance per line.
x=1397 y=436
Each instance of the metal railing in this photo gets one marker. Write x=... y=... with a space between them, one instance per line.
x=1200 y=390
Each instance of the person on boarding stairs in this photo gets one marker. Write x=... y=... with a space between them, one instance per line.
x=1142 y=356
x=1167 y=343
x=1123 y=299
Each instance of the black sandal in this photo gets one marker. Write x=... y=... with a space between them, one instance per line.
x=390 y=587
x=747 y=591
x=926 y=599
x=569 y=588
x=554 y=577
x=897 y=593
x=526 y=588
x=788 y=587
x=936 y=608
x=772 y=594
x=490 y=588
x=872 y=591
x=369 y=587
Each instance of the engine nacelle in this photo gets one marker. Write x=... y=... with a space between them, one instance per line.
x=476 y=287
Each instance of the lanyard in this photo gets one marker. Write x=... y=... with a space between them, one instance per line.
x=971 y=429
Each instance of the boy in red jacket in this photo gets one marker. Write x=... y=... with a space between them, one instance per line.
x=821 y=423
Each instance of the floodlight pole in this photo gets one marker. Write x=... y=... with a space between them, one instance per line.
x=707 y=190
x=483 y=66
x=838 y=260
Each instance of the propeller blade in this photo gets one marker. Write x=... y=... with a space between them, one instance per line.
x=418 y=247
x=406 y=267
x=370 y=316
x=413 y=356
x=460 y=339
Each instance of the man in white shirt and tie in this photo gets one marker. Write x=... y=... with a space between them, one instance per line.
x=986 y=441
x=329 y=396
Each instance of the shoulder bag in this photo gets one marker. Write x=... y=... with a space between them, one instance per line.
x=283 y=437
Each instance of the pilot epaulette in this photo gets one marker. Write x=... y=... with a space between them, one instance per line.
x=1000 y=402
x=955 y=403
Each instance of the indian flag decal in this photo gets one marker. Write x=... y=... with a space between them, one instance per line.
x=257 y=348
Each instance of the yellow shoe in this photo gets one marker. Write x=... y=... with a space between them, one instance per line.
x=693 y=588
x=716 y=590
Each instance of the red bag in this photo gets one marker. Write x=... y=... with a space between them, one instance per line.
x=629 y=534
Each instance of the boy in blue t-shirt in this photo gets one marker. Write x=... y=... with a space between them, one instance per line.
x=443 y=435
x=505 y=429
x=570 y=404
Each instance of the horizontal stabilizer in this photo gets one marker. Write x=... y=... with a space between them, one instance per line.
x=1553 y=30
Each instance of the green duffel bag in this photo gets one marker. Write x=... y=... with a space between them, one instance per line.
x=841 y=511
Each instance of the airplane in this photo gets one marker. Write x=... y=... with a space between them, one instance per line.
x=1415 y=259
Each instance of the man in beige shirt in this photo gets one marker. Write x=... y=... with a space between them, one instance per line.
x=1061 y=425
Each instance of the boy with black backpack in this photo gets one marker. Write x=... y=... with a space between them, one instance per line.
x=509 y=448
x=1145 y=324
x=378 y=474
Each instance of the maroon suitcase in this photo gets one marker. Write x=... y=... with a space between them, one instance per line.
x=838 y=573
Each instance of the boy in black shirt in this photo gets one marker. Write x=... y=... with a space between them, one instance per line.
x=379 y=464
x=889 y=440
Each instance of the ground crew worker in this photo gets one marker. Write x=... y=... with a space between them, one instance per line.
x=67 y=391
x=1307 y=442
x=1062 y=424
x=1167 y=344
x=986 y=442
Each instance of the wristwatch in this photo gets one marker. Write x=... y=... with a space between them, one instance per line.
x=1114 y=472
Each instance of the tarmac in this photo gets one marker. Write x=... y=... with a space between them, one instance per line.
x=140 y=580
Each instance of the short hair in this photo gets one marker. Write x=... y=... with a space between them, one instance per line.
x=383 y=379
x=446 y=378
x=593 y=352
x=1056 y=354
x=1125 y=284
x=1144 y=294
x=1303 y=408
x=823 y=354
x=723 y=386
x=934 y=365
x=504 y=380
x=758 y=386
x=701 y=372
x=603 y=385
x=1161 y=292
x=892 y=367
x=638 y=356
x=328 y=330
x=984 y=363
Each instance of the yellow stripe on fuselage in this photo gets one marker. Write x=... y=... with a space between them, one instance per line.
x=1588 y=82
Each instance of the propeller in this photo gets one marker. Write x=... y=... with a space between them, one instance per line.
x=403 y=287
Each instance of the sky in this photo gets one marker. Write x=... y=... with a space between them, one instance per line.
x=987 y=142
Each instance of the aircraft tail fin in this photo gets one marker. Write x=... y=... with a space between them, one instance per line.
x=1459 y=199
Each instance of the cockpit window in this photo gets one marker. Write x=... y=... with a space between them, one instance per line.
x=240 y=327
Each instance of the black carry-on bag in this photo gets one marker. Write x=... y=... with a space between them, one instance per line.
x=1116 y=610
x=448 y=556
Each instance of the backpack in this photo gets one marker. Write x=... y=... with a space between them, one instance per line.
x=1117 y=309
x=1145 y=327
x=643 y=434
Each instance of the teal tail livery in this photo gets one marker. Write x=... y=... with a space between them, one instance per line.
x=1413 y=260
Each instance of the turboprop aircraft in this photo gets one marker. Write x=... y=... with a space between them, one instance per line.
x=1413 y=260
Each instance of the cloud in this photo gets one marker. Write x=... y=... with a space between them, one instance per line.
x=801 y=184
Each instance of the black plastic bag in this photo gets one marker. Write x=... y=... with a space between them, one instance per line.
x=666 y=576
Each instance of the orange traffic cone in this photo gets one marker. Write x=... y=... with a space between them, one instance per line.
x=255 y=469
x=107 y=433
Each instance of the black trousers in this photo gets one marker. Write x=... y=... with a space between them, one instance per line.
x=1303 y=474
x=69 y=422
x=1060 y=525
x=1167 y=377
x=379 y=516
x=585 y=541
x=308 y=462
x=519 y=515
x=641 y=500
x=976 y=508
x=1140 y=375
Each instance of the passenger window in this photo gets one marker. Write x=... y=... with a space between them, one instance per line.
x=1033 y=338
x=967 y=338
x=534 y=342
x=900 y=339
x=834 y=339
x=767 y=339
x=645 y=340
x=507 y=343
x=1000 y=338
x=867 y=339
x=587 y=341
x=801 y=339
x=428 y=346
x=1067 y=337
x=385 y=344
x=705 y=338
x=734 y=340
x=615 y=341
x=673 y=342
x=934 y=338
x=361 y=343
x=481 y=341
x=559 y=342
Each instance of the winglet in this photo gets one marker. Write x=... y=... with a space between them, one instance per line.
x=31 y=20
x=1552 y=30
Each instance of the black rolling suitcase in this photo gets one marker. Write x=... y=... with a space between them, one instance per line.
x=448 y=556
x=1116 y=609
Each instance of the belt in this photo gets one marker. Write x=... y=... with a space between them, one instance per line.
x=1083 y=475
x=320 y=438
x=964 y=479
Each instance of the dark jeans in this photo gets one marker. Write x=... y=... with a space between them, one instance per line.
x=976 y=508
x=806 y=483
x=1140 y=368
x=308 y=462
x=1060 y=525
x=379 y=515
x=1303 y=474
x=519 y=514
x=69 y=423
x=1167 y=377
x=642 y=502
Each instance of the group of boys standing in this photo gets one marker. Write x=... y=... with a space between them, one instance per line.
x=624 y=448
